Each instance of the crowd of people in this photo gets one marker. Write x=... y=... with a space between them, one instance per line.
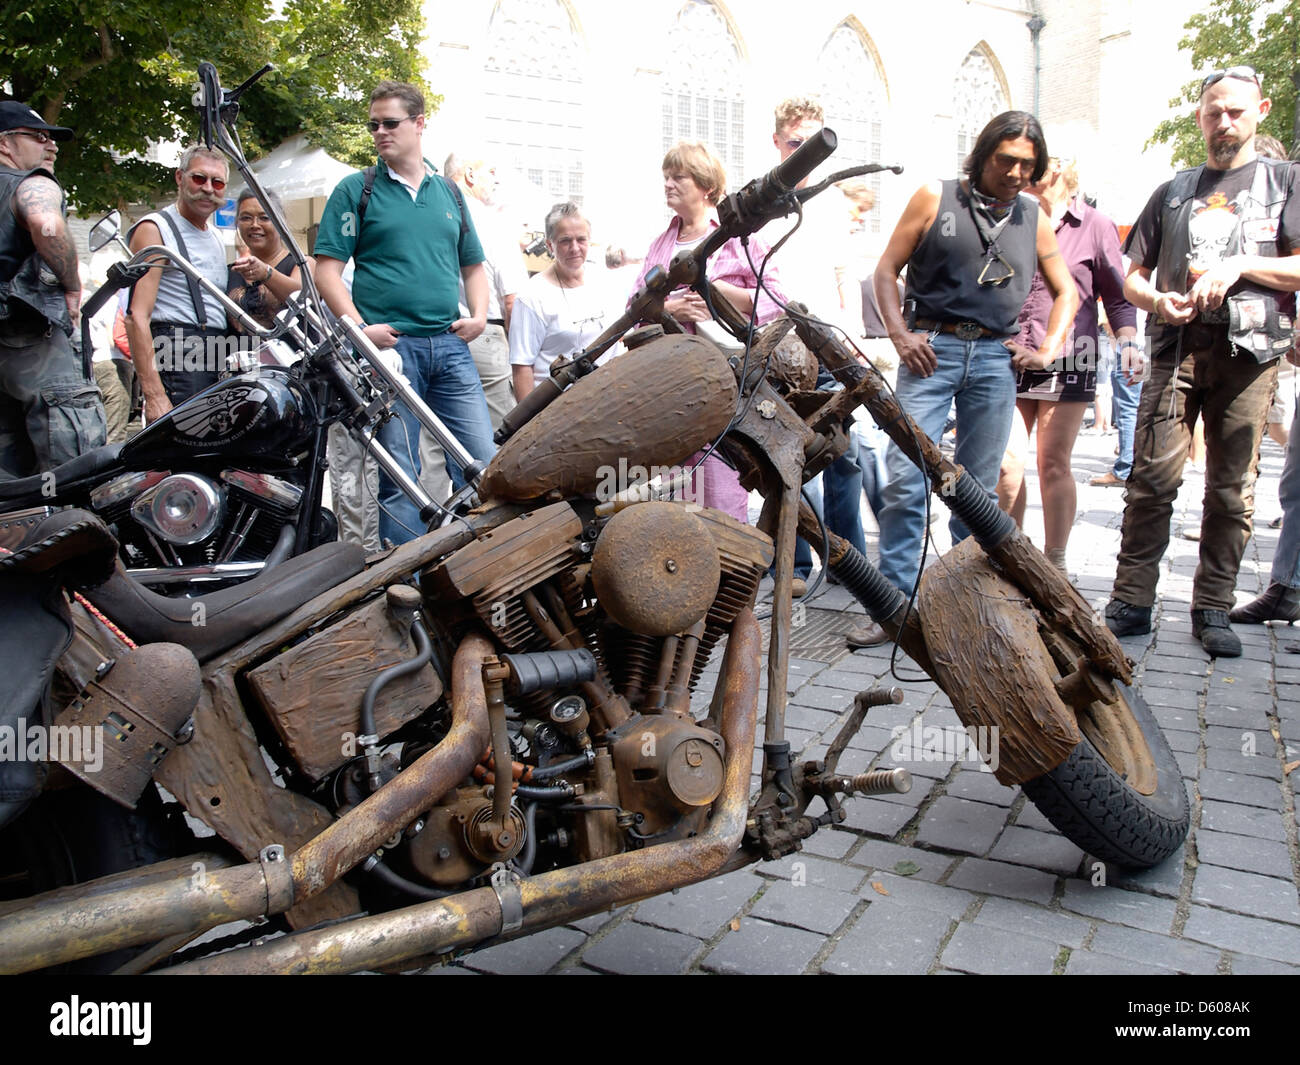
x=1002 y=298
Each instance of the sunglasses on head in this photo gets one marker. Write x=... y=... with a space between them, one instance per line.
x=1240 y=73
x=203 y=179
x=387 y=123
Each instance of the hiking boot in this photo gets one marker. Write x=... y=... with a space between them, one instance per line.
x=1125 y=619
x=1107 y=480
x=867 y=635
x=1278 y=603
x=1211 y=628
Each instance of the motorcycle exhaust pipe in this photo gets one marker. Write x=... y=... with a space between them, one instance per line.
x=84 y=921
x=509 y=908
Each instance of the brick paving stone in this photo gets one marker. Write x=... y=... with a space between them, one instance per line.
x=811 y=871
x=807 y=718
x=529 y=956
x=1263 y=856
x=1238 y=787
x=1246 y=965
x=871 y=738
x=886 y=857
x=1255 y=717
x=1152 y=949
x=1245 y=935
x=701 y=909
x=1008 y=881
x=923 y=771
x=1249 y=893
x=759 y=948
x=640 y=949
x=815 y=909
x=1172 y=697
x=823 y=698
x=892 y=717
x=913 y=892
x=1042 y=850
x=830 y=843
x=990 y=951
x=1242 y=820
x=1260 y=764
x=1021 y=918
x=1184 y=742
x=846 y=679
x=1164 y=879
x=1182 y=680
x=1176 y=719
x=961 y=825
x=889 y=939
x=596 y=921
x=1086 y=963
x=1121 y=907
x=1189 y=764
x=1031 y=817
x=1234 y=739
x=982 y=787
x=876 y=817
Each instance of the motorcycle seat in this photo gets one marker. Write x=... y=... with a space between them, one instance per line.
x=230 y=615
x=36 y=489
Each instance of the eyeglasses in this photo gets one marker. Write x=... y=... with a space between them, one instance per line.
x=35 y=134
x=388 y=123
x=1240 y=73
x=203 y=179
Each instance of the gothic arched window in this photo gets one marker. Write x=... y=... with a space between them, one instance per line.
x=978 y=95
x=854 y=98
x=702 y=98
x=533 y=112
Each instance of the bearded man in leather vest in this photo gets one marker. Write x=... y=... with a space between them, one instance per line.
x=1221 y=240
x=50 y=411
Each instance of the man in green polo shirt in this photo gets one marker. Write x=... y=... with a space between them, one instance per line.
x=410 y=246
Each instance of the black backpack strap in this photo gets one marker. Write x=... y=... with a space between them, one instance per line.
x=367 y=188
x=196 y=294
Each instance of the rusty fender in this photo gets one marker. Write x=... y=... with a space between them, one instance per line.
x=91 y=921
x=548 y=899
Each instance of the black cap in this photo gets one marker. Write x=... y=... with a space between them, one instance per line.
x=14 y=114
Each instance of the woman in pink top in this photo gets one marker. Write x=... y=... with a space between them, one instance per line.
x=694 y=182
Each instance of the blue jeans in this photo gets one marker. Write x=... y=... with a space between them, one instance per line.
x=1124 y=412
x=978 y=374
x=1286 y=561
x=837 y=496
x=442 y=372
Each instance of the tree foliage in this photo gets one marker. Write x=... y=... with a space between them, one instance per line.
x=1263 y=34
x=121 y=73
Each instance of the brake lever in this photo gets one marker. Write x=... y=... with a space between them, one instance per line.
x=805 y=194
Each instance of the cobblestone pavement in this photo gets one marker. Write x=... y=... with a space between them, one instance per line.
x=962 y=874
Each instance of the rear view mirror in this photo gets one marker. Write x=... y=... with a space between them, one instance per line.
x=105 y=231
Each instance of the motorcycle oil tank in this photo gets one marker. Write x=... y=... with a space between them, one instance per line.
x=655 y=406
x=265 y=414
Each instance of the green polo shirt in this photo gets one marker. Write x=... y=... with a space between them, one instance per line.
x=408 y=252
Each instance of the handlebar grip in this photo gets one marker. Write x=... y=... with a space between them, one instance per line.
x=537 y=400
x=807 y=157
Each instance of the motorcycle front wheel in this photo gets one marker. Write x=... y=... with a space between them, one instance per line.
x=1120 y=794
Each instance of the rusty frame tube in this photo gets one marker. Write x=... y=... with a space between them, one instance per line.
x=550 y=898
x=778 y=658
x=67 y=926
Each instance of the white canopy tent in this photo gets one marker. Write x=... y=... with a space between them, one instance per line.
x=297 y=171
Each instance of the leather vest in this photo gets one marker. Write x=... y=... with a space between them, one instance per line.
x=1259 y=319
x=31 y=298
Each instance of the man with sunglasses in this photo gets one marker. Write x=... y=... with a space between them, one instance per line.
x=413 y=242
x=1221 y=241
x=171 y=322
x=971 y=246
x=50 y=411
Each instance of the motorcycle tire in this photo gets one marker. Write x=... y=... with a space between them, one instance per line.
x=1095 y=806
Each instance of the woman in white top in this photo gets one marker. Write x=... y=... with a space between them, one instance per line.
x=558 y=312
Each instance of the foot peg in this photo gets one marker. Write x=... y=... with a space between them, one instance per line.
x=876 y=782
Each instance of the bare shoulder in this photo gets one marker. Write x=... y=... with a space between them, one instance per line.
x=144 y=233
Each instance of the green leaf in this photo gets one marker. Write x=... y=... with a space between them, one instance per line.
x=906 y=868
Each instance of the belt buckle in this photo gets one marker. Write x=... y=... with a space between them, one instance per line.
x=967 y=330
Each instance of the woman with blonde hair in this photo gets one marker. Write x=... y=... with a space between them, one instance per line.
x=694 y=182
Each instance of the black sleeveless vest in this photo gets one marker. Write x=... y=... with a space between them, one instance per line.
x=28 y=288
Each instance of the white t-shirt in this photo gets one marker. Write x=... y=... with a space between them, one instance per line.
x=549 y=321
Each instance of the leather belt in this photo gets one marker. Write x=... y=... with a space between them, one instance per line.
x=961 y=330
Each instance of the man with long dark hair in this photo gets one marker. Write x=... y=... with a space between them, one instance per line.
x=971 y=246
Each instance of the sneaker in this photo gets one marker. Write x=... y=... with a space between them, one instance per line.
x=1125 y=619
x=1108 y=480
x=1211 y=628
x=798 y=588
x=1276 y=523
x=868 y=635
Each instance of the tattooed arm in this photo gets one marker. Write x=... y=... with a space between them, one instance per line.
x=38 y=205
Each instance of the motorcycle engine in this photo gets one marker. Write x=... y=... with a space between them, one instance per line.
x=619 y=761
x=189 y=519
